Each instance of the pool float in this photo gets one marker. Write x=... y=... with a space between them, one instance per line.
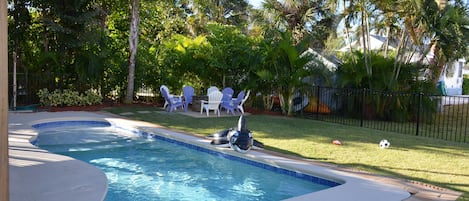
x=239 y=139
x=313 y=107
x=299 y=101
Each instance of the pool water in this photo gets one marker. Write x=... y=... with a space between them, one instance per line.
x=142 y=169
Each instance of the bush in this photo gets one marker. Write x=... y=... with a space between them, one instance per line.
x=465 y=85
x=68 y=98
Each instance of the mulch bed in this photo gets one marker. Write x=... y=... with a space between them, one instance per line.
x=93 y=108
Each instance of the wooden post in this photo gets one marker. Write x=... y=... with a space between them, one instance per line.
x=4 y=178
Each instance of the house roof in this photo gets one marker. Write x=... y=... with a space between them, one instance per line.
x=376 y=43
x=330 y=63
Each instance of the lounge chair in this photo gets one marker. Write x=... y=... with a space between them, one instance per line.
x=213 y=103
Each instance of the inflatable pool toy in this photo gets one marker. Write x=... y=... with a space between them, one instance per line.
x=313 y=107
x=239 y=139
x=299 y=102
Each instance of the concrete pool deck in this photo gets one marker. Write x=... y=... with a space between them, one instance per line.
x=38 y=175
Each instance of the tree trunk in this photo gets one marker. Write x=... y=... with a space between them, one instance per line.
x=386 y=43
x=365 y=46
x=133 y=44
x=290 y=101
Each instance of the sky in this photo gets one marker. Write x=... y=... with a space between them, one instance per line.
x=255 y=3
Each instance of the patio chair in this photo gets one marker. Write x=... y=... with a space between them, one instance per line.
x=232 y=105
x=213 y=103
x=188 y=92
x=173 y=102
x=169 y=94
x=227 y=94
x=240 y=106
x=212 y=89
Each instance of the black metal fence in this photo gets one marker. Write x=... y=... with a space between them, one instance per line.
x=435 y=116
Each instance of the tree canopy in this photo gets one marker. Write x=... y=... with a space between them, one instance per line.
x=84 y=44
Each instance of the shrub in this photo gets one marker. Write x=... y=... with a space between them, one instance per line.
x=44 y=96
x=68 y=98
x=465 y=85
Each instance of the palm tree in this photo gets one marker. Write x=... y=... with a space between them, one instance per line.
x=298 y=17
x=285 y=68
x=201 y=12
x=448 y=25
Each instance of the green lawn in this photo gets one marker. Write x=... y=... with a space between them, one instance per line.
x=437 y=162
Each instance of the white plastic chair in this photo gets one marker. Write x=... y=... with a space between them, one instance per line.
x=212 y=89
x=213 y=103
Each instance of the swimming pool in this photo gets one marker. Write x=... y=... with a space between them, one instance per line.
x=152 y=167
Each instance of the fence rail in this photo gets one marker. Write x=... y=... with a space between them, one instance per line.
x=435 y=116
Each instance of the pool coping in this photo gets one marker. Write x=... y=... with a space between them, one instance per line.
x=85 y=182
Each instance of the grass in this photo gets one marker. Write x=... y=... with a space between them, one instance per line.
x=437 y=162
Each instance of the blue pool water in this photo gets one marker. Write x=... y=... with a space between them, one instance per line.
x=142 y=169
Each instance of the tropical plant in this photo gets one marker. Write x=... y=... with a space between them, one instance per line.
x=231 y=53
x=310 y=19
x=390 y=105
x=285 y=68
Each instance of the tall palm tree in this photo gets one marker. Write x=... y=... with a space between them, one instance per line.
x=354 y=11
x=298 y=17
x=448 y=24
x=200 y=12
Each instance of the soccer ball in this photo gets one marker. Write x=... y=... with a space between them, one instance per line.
x=384 y=144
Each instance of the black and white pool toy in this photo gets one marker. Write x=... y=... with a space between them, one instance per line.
x=239 y=139
x=299 y=101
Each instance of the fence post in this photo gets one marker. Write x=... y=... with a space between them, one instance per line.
x=362 y=116
x=317 y=102
x=418 y=114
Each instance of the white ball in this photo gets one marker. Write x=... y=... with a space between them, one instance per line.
x=384 y=144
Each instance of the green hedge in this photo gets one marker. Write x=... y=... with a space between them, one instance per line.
x=68 y=98
x=465 y=85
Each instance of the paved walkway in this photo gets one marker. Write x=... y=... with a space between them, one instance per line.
x=37 y=175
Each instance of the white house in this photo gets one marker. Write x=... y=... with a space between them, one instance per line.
x=452 y=76
x=376 y=43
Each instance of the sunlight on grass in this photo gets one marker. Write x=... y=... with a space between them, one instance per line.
x=437 y=162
